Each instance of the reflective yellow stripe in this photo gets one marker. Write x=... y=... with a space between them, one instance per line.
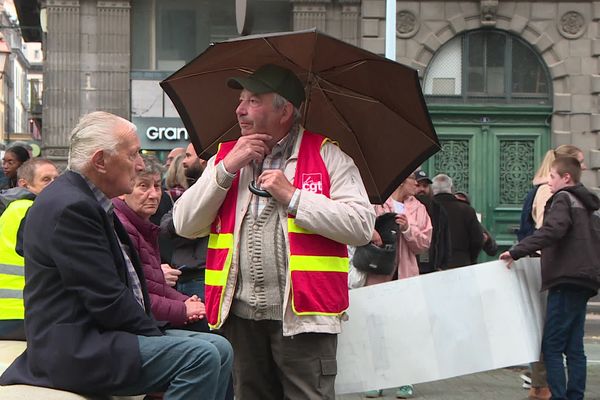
x=11 y=309
x=292 y=227
x=316 y=313
x=216 y=278
x=220 y=241
x=12 y=282
x=319 y=263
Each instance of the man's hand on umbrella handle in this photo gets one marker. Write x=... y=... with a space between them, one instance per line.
x=508 y=258
x=248 y=148
x=275 y=182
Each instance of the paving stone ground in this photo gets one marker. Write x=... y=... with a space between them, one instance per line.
x=501 y=384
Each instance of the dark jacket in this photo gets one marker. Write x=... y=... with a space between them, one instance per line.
x=489 y=246
x=569 y=253
x=436 y=258
x=7 y=183
x=189 y=255
x=165 y=245
x=81 y=317
x=17 y=193
x=466 y=236
x=167 y=303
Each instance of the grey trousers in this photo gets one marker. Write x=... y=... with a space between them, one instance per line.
x=269 y=366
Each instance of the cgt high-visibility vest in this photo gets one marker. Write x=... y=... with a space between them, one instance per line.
x=318 y=266
x=12 y=277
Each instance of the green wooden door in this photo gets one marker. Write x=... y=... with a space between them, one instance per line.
x=492 y=154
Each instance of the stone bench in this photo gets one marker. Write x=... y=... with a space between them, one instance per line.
x=9 y=350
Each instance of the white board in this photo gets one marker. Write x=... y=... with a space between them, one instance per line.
x=441 y=325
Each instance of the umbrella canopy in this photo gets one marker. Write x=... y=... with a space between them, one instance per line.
x=373 y=107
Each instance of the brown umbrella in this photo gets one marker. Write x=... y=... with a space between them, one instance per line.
x=371 y=106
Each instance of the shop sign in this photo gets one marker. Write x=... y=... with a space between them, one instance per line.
x=161 y=133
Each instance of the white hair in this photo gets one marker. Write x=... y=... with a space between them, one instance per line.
x=442 y=183
x=94 y=131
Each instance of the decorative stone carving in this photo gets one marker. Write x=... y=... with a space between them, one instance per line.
x=61 y=3
x=407 y=24
x=489 y=8
x=114 y=4
x=310 y=14
x=572 y=24
x=56 y=153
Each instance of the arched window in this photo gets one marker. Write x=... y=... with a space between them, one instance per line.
x=487 y=66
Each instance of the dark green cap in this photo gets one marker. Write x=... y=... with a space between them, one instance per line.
x=272 y=78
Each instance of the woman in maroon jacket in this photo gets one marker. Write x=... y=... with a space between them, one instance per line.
x=134 y=211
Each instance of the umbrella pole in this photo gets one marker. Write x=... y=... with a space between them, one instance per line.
x=390 y=30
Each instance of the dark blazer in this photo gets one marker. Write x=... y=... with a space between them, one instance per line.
x=466 y=236
x=81 y=318
x=436 y=258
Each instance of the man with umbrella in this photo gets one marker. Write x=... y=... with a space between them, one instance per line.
x=276 y=274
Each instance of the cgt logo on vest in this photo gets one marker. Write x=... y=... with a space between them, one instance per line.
x=312 y=183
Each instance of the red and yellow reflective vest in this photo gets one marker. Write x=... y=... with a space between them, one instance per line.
x=318 y=266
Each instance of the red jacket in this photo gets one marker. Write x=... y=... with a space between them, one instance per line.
x=167 y=303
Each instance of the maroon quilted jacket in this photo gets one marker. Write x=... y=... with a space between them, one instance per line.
x=167 y=303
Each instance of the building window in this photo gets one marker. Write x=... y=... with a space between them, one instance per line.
x=487 y=66
x=166 y=34
x=35 y=96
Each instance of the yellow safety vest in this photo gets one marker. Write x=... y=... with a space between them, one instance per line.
x=12 y=276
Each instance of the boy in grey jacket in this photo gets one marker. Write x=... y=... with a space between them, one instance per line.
x=570 y=272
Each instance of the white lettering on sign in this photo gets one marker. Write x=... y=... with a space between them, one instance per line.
x=168 y=133
x=312 y=183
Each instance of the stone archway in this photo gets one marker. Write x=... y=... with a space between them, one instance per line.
x=566 y=35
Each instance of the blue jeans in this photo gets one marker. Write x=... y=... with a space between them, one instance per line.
x=563 y=334
x=184 y=365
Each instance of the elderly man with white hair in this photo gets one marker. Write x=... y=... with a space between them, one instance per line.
x=466 y=236
x=88 y=322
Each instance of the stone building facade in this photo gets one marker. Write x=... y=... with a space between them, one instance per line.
x=491 y=143
x=565 y=34
x=88 y=50
x=86 y=66
x=565 y=38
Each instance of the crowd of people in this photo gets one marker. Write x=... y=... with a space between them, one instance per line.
x=204 y=278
